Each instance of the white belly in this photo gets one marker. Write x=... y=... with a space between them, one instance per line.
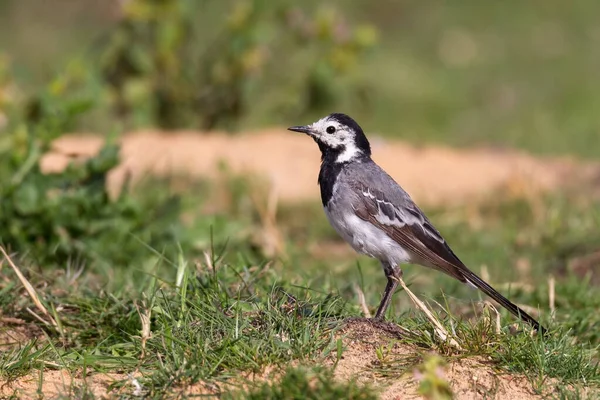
x=367 y=239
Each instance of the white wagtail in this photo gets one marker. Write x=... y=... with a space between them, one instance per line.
x=377 y=217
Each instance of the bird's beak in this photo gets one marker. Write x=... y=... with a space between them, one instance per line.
x=304 y=129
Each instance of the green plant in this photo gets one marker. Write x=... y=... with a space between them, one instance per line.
x=432 y=384
x=159 y=61
x=337 y=48
x=69 y=215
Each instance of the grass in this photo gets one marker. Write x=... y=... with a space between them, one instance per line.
x=210 y=320
x=203 y=307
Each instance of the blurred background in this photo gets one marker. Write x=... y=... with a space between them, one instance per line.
x=507 y=74
x=485 y=77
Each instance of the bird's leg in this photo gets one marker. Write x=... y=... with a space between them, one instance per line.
x=393 y=274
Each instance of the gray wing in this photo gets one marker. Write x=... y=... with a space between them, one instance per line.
x=381 y=201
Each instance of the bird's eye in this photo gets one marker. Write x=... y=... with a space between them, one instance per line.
x=330 y=129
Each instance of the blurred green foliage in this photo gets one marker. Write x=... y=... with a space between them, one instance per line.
x=463 y=73
x=303 y=383
x=69 y=216
x=9 y=92
x=432 y=383
x=155 y=59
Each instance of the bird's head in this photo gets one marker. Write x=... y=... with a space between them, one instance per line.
x=339 y=137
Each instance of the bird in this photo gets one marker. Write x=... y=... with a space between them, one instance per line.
x=378 y=218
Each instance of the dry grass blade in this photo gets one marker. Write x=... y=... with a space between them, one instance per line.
x=12 y=321
x=30 y=289
x=552 y=295
x=270 y=236
x=497 y=325
x=485 y=274
x=36 y=316
x=209 y=262
x=439 y=329
x=145 y=315
x=362 y=301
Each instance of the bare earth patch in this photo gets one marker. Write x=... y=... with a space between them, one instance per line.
x=469 y=378
x=61 y=384
x=290 y=162
x=14 y=331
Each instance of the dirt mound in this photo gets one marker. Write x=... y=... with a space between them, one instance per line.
x=468 y=378
x=433 y=175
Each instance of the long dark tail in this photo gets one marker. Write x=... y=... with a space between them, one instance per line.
x=510 y=306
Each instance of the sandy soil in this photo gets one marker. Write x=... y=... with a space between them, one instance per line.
x=468 y=378
x=62 y=384
x=290 y=162
x=15 y=330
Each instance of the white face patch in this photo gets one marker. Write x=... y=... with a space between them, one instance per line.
x=341 y=137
